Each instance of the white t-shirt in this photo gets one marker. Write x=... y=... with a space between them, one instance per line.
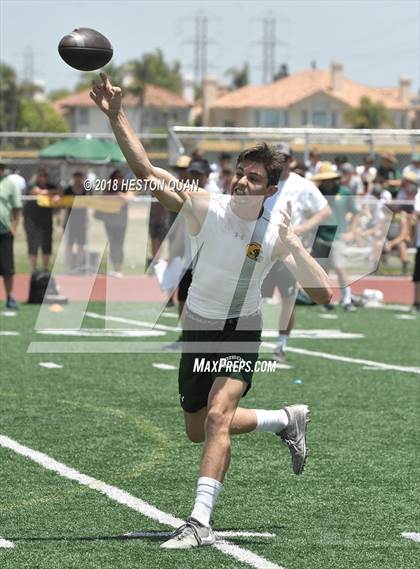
x=232 y=258
x=366 y=174
x=305 y=197
x=19 y=181
x=417 y=211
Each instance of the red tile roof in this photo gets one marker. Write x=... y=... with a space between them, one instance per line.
x=154 y=96
x=299 y=86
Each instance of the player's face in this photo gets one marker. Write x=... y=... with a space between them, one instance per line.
x=249 y=188
x=250 y=179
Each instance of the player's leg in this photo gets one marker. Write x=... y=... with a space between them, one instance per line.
x=223 y=400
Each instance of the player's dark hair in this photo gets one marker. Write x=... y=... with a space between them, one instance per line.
x=272 y=160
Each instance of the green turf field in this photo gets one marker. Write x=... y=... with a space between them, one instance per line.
x=116 y=418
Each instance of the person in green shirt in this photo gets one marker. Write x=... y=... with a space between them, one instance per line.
x=10 y=208
x=329 y=244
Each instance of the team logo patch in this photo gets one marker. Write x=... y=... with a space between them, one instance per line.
x=253 y=251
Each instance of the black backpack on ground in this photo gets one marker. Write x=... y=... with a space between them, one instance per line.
x=42 y=285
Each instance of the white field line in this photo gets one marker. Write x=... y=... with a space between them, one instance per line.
x=218 y=534
x=370 y=363
x=122 y=497
x=164 y=366
x=414 y=536
x=315 y=354
x=9 y=333
x=50 y=365
x=6 y=544
x=142 y=323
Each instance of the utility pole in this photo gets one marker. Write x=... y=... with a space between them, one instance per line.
x=28 y=65
x=269 y=43
x=200 y=46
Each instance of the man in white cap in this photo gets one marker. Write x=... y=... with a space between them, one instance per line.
x=309 y=209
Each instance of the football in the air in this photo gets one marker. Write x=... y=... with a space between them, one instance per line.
x=85 y=49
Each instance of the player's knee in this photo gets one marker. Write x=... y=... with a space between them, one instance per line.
x=217 y=419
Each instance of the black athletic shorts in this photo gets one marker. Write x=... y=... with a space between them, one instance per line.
x=38 y=235
x=198 y=370
x=184 y=285
x=416 y=274
x=282 y=278
x=7 y=267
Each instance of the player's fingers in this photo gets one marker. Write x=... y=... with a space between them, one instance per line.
x=289 y=208
x=106 y=82
x=95 y=87
x=93 y=96
x=286 y=216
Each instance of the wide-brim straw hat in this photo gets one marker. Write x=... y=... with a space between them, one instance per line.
x=327 y=171
x=389 y=156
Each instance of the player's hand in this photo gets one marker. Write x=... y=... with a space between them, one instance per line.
x=106 y=96
x=286 y=233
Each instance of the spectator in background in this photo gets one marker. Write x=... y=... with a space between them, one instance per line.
x=408 y=188
x=158 y=228
x=176 y=235
x=38 y=221
x=314 y=163
x=10 y=208
x=220 y=171
x=367 y=173
x=339 y=160
x=350 y=179
x=19 y=181
x=414 y=165
x=400 y=230
x=330 y=240
x=116 y=224
x=388 y=170
x=75 y=223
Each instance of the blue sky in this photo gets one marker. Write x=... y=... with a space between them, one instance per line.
x=376 y=40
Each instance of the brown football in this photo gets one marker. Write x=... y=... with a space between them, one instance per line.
x=85 y=49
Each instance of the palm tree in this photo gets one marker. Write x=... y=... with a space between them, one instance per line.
x=369 y=114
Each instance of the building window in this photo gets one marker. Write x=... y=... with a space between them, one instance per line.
x=83 y=116
x=403 y=120
x=304 y=119
x=257 y=118
x=286 y=121
x=229 y=124
x=319 y=118
x=333 y=119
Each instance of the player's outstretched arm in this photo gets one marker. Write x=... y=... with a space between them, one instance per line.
x=109 y=99
x=307 y=271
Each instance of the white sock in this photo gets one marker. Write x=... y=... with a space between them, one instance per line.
x=346 y=295
x=282 y=341
x=274 y=421
x=208 y=490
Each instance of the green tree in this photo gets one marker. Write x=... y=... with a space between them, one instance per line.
x=282 y=72
x=238 y=77
x=8 y=97
x=152 y=68
x=57 y=94
x=369 y=114
x=34 y=116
